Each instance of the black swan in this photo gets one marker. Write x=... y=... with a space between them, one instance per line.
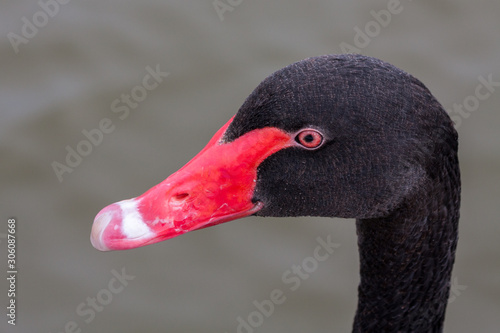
x=337 y=135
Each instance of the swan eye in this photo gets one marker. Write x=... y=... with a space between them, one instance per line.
x=309 y=138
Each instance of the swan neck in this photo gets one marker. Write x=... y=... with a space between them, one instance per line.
x=406 y=261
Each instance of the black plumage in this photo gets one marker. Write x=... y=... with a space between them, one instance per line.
x=389 y=160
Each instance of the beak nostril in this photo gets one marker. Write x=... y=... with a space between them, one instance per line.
x=181 y=196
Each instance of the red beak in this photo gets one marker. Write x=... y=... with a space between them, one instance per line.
x=216 y=186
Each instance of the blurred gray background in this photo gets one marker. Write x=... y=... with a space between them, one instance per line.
x=62 y=78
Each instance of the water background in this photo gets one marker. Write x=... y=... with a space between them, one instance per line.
x=86 y=54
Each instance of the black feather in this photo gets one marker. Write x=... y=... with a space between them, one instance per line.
x=389 y=160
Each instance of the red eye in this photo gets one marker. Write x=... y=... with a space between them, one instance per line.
x=309 y=138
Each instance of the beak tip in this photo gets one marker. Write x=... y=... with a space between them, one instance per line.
x=120 y=226
x=101 y=222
